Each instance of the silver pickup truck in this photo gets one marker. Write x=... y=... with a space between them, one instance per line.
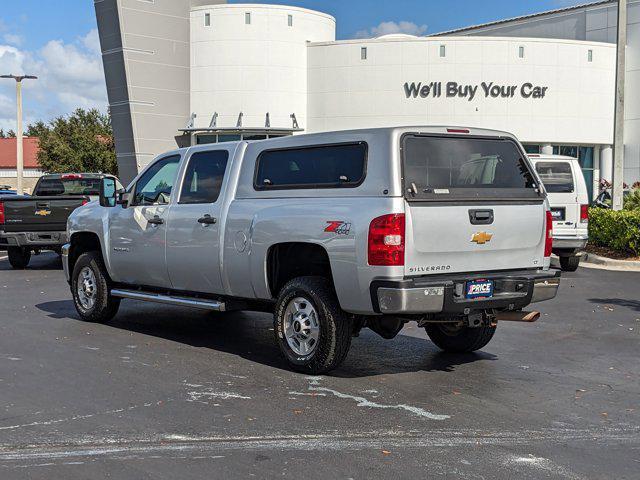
x=330 y=232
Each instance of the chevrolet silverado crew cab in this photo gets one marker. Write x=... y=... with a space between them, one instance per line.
x=331 y=232
x=31 y=224
x=568 y=197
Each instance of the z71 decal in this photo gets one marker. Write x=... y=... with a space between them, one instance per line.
x=338 y=227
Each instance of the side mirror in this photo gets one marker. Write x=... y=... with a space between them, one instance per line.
x=108 y=192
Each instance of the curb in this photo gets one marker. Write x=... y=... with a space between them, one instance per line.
x=591 y=260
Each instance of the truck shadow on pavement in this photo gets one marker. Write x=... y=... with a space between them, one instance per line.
x=250 y=336
x=44 y=261
x=620 y=302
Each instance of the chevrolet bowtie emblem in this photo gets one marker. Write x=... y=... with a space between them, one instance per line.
x=481 y=238
x=43 y=213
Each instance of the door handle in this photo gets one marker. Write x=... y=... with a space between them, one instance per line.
x=481 y=217
x=207 y=220
x=156 y=221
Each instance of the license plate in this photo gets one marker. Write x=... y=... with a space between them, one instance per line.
x=557 y=213
x=479 y=289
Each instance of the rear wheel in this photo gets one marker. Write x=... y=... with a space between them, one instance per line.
x=313 y=332
x=569 y=264
x=19 y=257
x=90 y=289
x=459 y=338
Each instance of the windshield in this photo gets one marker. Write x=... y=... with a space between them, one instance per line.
x=51 y=187
x=556 y=176
x=454 y=168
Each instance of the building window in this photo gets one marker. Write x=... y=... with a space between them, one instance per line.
x=247 y=18
x=290 y=20
x=363 y=53
x=532 y=148
x=520 y=51
x=590 y=56
x=443 y=51
x=207 y=19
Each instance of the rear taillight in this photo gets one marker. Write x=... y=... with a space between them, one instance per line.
x=1 y=213
x=386 y=240
x=548 y=235
x=85 y=201
x=71 y=176
x=584 y=213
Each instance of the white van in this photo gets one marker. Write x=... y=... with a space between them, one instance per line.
x=569 y=200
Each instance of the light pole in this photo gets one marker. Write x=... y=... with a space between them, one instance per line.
x=617 y=193
x=19 y=157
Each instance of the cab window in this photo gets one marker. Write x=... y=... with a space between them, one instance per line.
x=155 y=185
x=203 y=178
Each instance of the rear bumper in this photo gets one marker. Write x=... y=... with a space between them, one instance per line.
x=445 y=294
x=576 y=242
x=32 y=239
x=65 y=261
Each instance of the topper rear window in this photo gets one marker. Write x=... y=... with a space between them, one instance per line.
x=321 y=166
x=451 y=168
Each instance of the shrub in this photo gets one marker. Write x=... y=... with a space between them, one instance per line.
x=619 y=231
x=632 y=201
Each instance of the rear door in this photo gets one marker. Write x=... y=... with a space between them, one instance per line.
x=194 y=227
x=472 y=205
x=559 y=181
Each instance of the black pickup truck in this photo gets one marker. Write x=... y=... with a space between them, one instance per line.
x=30 y=224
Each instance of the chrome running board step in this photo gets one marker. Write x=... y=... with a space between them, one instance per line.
x=202 y=304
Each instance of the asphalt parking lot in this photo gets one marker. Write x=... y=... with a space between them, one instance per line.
x=163 y=392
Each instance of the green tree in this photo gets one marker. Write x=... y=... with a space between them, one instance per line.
x=81 y=142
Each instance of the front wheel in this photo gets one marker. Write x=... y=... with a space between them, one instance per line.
x=90 y=289
x=569 y=264
x=313 y=332
x=19 y=257
x=459 y=338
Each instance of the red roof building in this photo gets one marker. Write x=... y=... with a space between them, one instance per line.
x=8 y=154
x=8 y=158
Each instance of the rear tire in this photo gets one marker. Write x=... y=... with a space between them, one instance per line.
x=459 y=339
x=569 y=264
x=19 y=257
x=90 y=287
x=312 y=331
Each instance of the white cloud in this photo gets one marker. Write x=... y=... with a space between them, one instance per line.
x=387 y=28
x=70 y=75
x=13 y=39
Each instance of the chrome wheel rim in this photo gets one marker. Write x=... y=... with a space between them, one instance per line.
x=301 y=326
x=87 y=288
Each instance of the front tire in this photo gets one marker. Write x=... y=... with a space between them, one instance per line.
x=312 y=331
x=90 y=287
x=460 y=339
x=19 y=257
x=569 y=264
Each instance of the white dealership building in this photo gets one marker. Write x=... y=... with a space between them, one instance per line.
x=196 y=71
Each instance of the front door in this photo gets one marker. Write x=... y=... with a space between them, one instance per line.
x=194 y=230
x=138 y=232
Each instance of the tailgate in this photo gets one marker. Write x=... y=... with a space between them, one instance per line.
x=443 y=239
x=472 y=205
x=37 y=214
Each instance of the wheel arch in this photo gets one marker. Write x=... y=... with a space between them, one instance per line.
x=288 y=260
x=82 y=242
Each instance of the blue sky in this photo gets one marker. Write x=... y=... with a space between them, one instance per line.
x=57 y=40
